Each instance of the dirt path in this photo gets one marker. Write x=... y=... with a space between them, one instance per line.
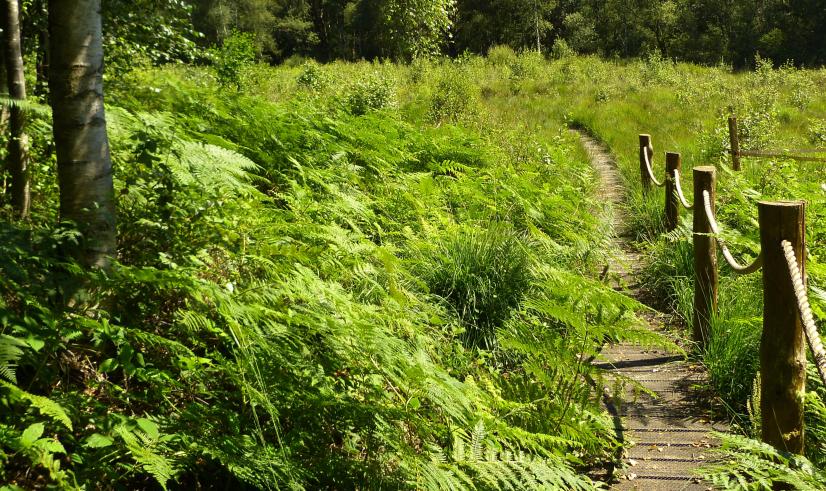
x=670 y=430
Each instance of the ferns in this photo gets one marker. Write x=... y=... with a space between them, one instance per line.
x=46 y=406
x=307 y=298
x=10 y=353
x=751 y=465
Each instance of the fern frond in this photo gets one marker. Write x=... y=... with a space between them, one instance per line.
x=11 y=349
x=45 y=405
x=27 y=105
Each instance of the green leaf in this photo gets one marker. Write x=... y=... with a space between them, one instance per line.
x=149 y=427
x=31 y=434
x=96 y=440
x=108 y=365
x=50 y=445
x=35 y=343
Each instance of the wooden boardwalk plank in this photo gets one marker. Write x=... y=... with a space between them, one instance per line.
x=670 y=433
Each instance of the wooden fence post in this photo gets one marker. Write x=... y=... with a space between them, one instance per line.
x=734 y=140
x=782 y=347
x=672 y=204
x=645 y=146
x=705 y=257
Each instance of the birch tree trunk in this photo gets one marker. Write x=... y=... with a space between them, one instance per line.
x=18 y=159
x=84 y=165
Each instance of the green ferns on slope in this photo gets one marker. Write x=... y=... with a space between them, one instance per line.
x=293 y=304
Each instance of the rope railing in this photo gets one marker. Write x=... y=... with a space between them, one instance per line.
x=679 y=191
x=803 y=155
x=788 y=322
x=736 y=266
x=809 y=327
x=650 y=170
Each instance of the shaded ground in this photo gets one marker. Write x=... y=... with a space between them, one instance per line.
x=660 y=401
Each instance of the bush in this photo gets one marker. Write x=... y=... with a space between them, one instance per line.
x=371 y=93
x=501 y=55
x=482 y=275
x=311 y=77
x=817 y=132
x=456 y=98
x=527 y=65
x=561 y=50
x=231 y=59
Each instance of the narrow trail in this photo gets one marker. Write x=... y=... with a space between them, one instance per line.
x=671 y=430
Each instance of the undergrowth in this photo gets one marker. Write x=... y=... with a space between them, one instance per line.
x=319 y=285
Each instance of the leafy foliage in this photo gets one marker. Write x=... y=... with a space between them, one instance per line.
x=296 y=282
x=753 y=465
x=482 y=275
x=236 y=53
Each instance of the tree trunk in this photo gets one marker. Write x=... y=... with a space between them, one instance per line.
x=18 y=159
x=41 y=88
x=84 y=165
x=4 y=108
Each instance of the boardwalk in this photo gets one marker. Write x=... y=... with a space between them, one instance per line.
x=670 y=431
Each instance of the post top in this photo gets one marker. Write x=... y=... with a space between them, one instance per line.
x=705 y=168
x=672 y=154
x=788 y=204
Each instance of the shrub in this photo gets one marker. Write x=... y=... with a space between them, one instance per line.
x=501 y=55
x=817 y=132
x=482 y=275
x=527 y=65
x=371 y=93
x=231 y=59
x=311 y=77
x=560 y=49
x=455 y=98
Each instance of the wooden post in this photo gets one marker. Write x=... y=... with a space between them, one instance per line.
x=782 y=347
x=734 y=140
x=645 y=146
x=705 y=257
x=672 y=203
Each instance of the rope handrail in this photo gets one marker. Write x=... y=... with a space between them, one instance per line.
x=809 y=327
x=648 y=168
x=737 y=267
x=679 y=190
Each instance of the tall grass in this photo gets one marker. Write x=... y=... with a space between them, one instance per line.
x=482 y=274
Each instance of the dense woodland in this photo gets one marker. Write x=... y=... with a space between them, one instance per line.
x=354 y=245
x=702 y=31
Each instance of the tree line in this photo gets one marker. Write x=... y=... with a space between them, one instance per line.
x=702 y=31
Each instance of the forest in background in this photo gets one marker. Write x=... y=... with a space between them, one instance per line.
x=700 y=31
